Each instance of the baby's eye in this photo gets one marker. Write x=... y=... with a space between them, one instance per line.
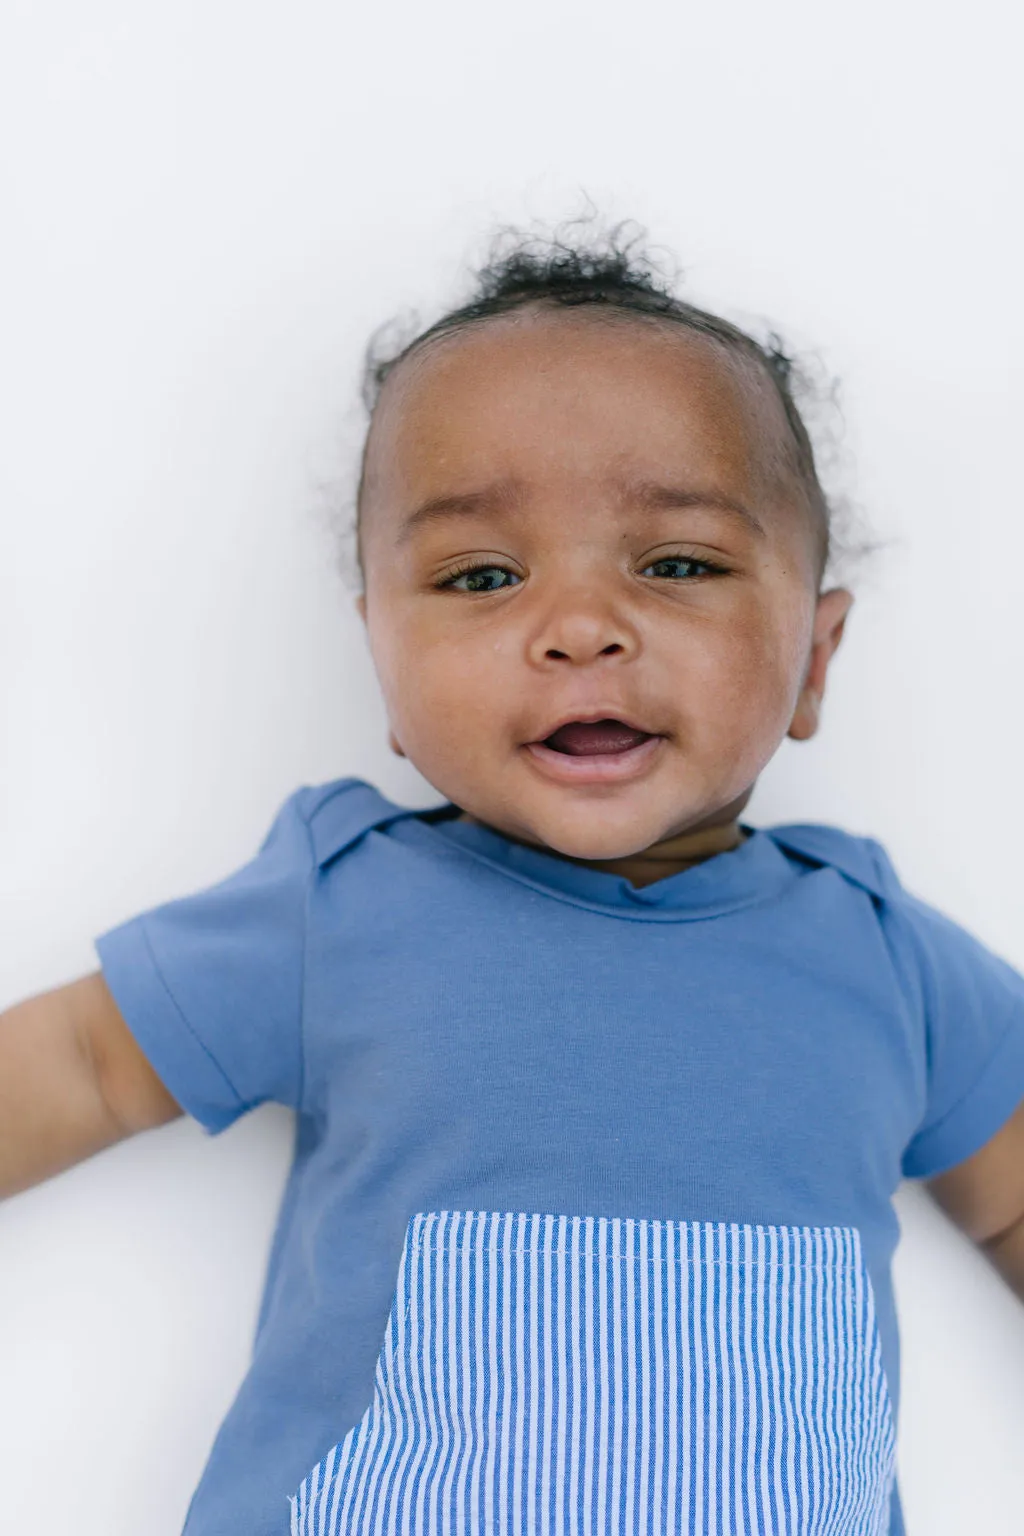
x=471 y=573
x=682 y=560
x=478 y=577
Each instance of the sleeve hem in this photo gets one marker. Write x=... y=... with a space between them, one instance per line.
x=177 y=1055
x=976 y=1117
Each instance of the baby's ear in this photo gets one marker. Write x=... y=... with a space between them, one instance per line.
x=361 y=606
x=830 y=619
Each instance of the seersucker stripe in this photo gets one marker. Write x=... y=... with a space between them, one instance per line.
x=555 y=1375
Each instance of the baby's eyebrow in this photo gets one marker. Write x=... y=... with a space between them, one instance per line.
x=655 y=497
x=502 y=495
x=505 y=495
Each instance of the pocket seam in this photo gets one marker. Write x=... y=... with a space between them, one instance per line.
x=833 y=1266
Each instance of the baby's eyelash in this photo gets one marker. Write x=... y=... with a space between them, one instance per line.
x=709 y=565
x=468 y=569
x=490 y=565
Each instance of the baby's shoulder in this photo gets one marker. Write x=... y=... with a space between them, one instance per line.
x=339 y=812
x=923 y=939
x=862 y=860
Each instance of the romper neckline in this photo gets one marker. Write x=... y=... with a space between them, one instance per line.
x=755 y=870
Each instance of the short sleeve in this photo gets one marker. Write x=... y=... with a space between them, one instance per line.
x=973 y=1008
x=211 y=984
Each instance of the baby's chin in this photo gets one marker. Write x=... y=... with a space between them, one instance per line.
x=594 y=844
x=616 y=828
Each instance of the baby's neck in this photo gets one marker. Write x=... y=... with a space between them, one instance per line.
x=669 y=857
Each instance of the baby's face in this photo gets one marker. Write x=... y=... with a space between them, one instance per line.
x=587 y=466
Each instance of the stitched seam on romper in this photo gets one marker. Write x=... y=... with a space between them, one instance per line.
x=174 y=1004
x=306 y=906
x=800 y=1235
x=991 y=1062
x=662 y=1263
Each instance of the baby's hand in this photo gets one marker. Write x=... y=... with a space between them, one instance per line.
x=72 y=1081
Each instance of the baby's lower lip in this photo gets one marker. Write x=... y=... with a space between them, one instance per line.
x=595 y=768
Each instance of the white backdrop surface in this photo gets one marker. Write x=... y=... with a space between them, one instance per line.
x=207 y=209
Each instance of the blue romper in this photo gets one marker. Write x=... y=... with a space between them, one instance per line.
x=589 y=1224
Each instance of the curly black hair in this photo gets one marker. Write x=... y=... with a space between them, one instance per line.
x=525 y=269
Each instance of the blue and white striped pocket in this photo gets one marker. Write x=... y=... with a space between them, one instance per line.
x=598 y=1376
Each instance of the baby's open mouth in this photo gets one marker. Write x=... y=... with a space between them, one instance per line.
x=595 y=737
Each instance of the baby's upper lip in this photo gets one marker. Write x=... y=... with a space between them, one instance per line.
x=589 y=717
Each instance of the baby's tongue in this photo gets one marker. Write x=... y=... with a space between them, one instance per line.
x=581 y=740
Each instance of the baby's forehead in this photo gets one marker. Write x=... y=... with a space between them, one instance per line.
x=572 y=397
x=581 y=340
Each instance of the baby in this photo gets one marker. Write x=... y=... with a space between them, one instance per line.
x=601 y=1092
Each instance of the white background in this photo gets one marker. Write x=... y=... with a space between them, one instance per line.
x=207 y=208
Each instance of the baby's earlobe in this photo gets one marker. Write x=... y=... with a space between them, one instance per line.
x=806 y=716
x=393 y=744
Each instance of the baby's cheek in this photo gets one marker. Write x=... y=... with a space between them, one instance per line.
x=755 y=690
x=444 y=701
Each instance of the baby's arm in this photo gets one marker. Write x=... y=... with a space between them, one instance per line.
x=72 y=1081
x=984 y=1197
